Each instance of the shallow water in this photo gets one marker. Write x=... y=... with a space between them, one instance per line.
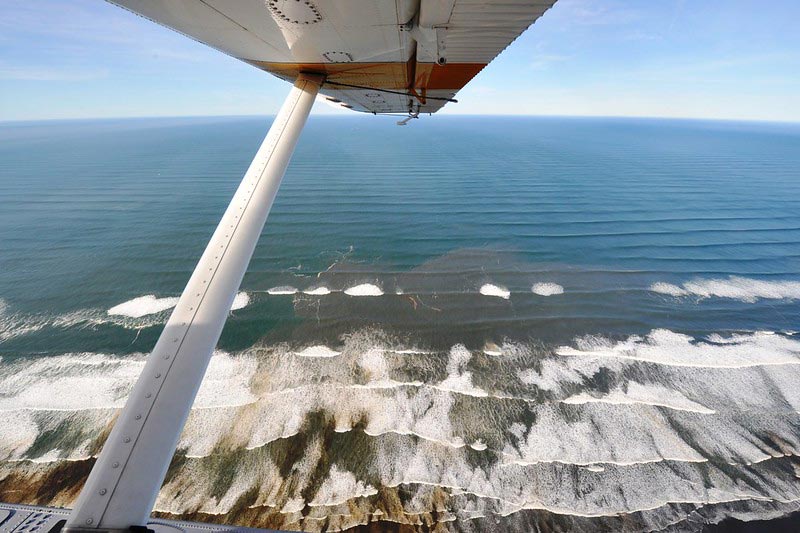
x=472 y=323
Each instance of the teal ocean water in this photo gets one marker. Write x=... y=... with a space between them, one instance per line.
x=465 y=324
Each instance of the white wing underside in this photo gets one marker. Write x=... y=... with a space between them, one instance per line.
x=378 y=56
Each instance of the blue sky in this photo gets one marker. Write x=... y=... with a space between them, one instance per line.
x=730 y=59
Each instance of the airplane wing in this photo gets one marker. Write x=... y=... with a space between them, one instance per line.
x=378 y=56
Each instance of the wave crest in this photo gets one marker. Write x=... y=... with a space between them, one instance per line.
x=143 y=306
x=735 y=288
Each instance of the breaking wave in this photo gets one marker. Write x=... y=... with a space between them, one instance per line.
x=89 y=381
x=317 y=291
x=282 y=290
x=309 y=432
x=150 y=305
x=643 y=394
x=488 y=289
x=318 y=351
x=547 y=289
x=13 y=325
x=364 y=289
x=735 y=287
x=139 y=312
x=715 y=351
x=240 y=301
x=143 y=306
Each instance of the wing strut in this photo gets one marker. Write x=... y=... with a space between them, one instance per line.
x=122 y=487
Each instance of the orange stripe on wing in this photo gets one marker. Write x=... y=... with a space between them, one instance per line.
x=451 y=76
x=390 y=75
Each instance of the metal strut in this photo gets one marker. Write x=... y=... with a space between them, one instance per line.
x=122 y=487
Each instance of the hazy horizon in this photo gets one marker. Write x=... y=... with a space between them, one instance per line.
x=437 y=116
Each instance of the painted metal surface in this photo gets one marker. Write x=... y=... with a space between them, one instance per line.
x=124 y=483
x=415 y=47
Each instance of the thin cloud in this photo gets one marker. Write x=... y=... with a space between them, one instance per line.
x=641 y=36
x=49 y=74
x=595 y=13
x=545 y=61
x=708 y=69
x=177 y=55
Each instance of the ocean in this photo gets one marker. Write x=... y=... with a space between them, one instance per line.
x=465 y=324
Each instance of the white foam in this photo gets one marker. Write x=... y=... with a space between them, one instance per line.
x=669 y=348
x=488 y=289
x=547 y=289
x=143 y=306
x=294 y=505
x=85 y=391
x=283 y=289
x=240 y=301
x=318 y=351
x=12 y=325
x=458 y=379
x=374 y=364
x=227 y=382
x=50 y=456
x=68 y=382
x=365 y=289
x=668 y=289
x=388 y=384
x=599 y=433
x=554 y=373
x=478 y=445
x=18 y=431
x=339 y=487
x=85 y=381
x=636 y=393
x=462 y=384
x=532 y=435
x=150 y=305
x=492 y=349
x=16 y=324
x=317 y=291
x=734 y=287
